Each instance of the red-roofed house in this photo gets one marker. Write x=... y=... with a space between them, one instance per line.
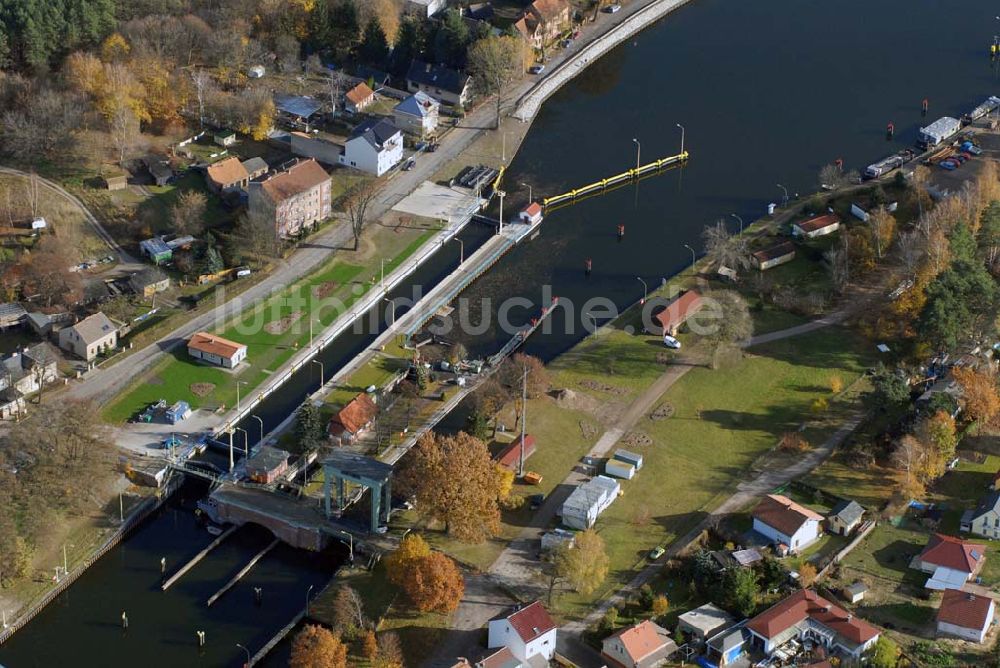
x=353 y=419
x=216 y=350
x=786 y=522
x=502 y=658
x=644 y=645
x=816 y=227
x=951 y=561
x=965 y=615
x=527 y=632
x=676 y=313
x=359 y=98
x=805 y=615
x=510 y=456
x=531 y=214
x=297 y=197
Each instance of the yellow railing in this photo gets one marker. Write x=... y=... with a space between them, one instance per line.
x=633 y=173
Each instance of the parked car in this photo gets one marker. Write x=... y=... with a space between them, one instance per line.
x=671 y=342
x=656 y=553
x=613 y=9
x=409 y=164
x=536 y=69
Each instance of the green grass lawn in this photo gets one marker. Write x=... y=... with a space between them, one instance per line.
x=886 y=553
x=870 y=486
x=620 y=360
x=156 y=210
x=724 y=420
x=172 y=378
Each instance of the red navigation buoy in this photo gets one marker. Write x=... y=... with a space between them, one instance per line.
x=621 y=231
x=839 y=162
x=924 y=105
x=589 y=264
x=889 y=130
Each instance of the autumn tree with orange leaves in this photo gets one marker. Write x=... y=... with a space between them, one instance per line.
x=317 y=647
x=434 y=584
x=980 y=398
x=456 y=483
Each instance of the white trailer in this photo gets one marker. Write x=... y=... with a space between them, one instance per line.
x=633 y=458
x=619 y=469
x=582 y=508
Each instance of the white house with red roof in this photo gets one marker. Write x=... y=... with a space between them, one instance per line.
x=642 y=645
x=786 y=523
x=951 y=561
x=965 y=615
x=527 y=632
x=531 y=214
x=805 y=615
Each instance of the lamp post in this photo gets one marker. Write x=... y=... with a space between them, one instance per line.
x=530 y=198
x=694 y=256
x=238 y=383
x=501 y=194
x=382 y=273
x=461 y=250
x=739 y=219
x=645 y=289
x=261 y=427
x=247 y=664
x=308 y=591
x=320 y=371
x=246 y=441
x=682 y=137
x=784 y=190
x=592 y=318
x=638 y=154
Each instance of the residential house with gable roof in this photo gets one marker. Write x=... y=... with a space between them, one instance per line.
x=984 y=519
x=642 y=645
x=786 y=523
x=417 y=115
x=442 y=83
x=295 y=198
x=669 y=319
x=845 y=517
x=544 y=21
x=227 y=175
x=528 y=632
x=965 y=615
x=805 y=615
x=352 y=419
x=375 y=146
x=359 y=98
x=951 y=561
x=90 y=337
x=216 y=350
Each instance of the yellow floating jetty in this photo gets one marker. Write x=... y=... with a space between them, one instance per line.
x=615 y=180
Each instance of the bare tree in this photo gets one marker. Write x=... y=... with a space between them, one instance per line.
x=831 y=177
x=256 y=235
x=726 y=249
x=202 y=80
x=495 y=63
x=124 y=129
x=839 y=262
x=188 y=213
x=336 y=83
x=357 y=203
x=910 y=247
x=882 y=226
x=31 y=193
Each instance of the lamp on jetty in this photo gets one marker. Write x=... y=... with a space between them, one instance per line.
x=739 y=219
x=638 y=153
x=682 y=137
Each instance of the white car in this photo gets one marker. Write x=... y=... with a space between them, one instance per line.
x=671 y=342
x=613 y=9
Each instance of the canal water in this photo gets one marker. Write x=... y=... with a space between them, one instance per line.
x=768 y=92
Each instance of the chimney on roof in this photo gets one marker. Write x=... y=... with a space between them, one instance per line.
x=850 y=616
x=971 y=596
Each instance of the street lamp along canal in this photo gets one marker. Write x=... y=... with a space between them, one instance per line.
x=321 y=371
x=261 y=427
x=461 y=250
x=694 y=256
x=247 y=664
x=528 y=186
x=682 y=137
x=740 y=220
x=645 y=289
x=784 y=200
x=638 y=154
